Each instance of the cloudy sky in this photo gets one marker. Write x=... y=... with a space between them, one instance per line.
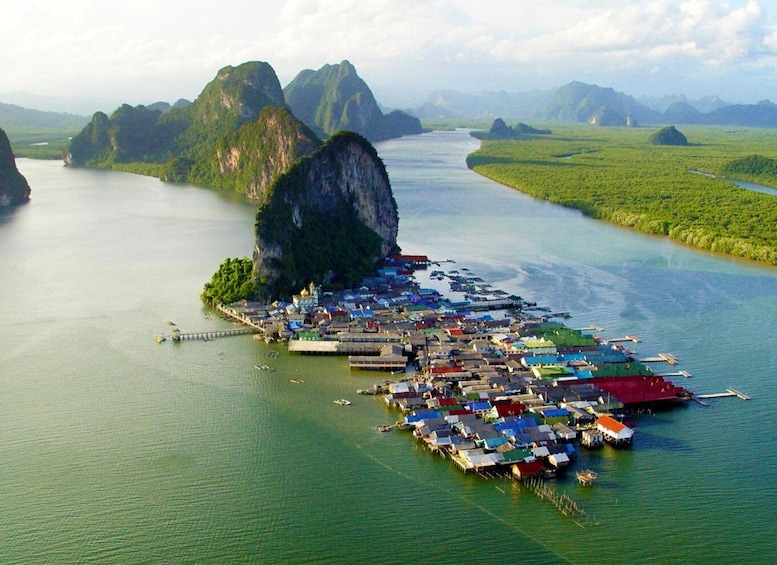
x=148 y=50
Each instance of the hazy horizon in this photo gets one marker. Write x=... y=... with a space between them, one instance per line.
x=143 y=52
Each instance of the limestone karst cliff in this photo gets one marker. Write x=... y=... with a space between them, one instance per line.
x=326 y=213
x=14 y=188
x=328 y=220
x=335 y=98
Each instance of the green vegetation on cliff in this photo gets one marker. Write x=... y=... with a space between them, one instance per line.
x=232 y=282
x=315 y=225
x=181 y=144
x=616 y=176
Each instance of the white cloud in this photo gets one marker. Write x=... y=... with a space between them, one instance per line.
x=157 y=49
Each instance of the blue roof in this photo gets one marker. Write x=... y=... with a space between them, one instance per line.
x=361 y=313
x=422 y=415
x=479 y=406
x=555 y=413
x=494 y=442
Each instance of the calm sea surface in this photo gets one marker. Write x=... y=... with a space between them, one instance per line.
x=116 y=449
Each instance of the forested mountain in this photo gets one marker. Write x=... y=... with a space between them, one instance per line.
x=13 y=117
x=13 y=186
x=180 y=144
x=579 y=102
x=335 y=98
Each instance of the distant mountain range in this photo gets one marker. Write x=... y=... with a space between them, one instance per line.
x=13 y=117
x=580 y=102
x=334 y=97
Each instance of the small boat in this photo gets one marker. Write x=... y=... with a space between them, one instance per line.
x=343 y=402
x=297 y=381
x=159 y=338
x=170 y=323
x=385 y=428
x=263 y=367
x=586 y=476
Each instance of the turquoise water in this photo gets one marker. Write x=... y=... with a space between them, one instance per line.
x=114 y=448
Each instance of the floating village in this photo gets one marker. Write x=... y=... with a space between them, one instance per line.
x=495 y=384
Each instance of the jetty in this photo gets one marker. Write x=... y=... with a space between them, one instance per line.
x=624 y=338
x=212 y=334
x=685 y=374
x=729 y=392
x=661 y=357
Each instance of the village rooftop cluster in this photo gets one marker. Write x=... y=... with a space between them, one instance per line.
x=491 y=381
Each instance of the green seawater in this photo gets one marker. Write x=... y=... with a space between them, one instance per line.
x=116 y=449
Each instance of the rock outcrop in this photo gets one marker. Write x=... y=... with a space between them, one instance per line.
x=253 y=156
x=327 y=220
x=14 y=188
x=669 y=135
x=335 y=98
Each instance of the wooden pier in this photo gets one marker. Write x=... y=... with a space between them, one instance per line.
x=729 y=392
x=685 y=374
x=624 y=338
x=665 y=357
x=209 y=335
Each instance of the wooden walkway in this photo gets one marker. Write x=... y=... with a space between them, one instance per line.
x=729 y=392
x=209 y=335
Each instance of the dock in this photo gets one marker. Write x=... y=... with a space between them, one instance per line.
x=685 y=374
x=729 y=392
x=624 y=338
x=209 y=335
x=661 y=357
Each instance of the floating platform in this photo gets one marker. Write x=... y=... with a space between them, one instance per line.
x=585 y=477
x=661 y=357
x=624 y=338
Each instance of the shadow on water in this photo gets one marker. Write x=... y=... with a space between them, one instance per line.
x=9 y=213
x=651 y=442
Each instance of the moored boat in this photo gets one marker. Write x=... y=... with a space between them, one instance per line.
x=585 y=476
x=342 y=402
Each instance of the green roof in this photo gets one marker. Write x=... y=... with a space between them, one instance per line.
x=621 y=370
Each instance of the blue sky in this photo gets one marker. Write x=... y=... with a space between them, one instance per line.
x=148 y=50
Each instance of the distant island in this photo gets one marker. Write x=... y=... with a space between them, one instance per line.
x=500 y=130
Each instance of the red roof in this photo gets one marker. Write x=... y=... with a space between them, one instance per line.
x=442 y=370
x=611 y=424
x=527 y=468
x=639 y=389
x=411 y=258
x=450 y=401
x=511 y=409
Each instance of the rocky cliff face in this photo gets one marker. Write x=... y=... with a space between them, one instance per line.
x=328 y=220
x=13 y=186
x=260 y=150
